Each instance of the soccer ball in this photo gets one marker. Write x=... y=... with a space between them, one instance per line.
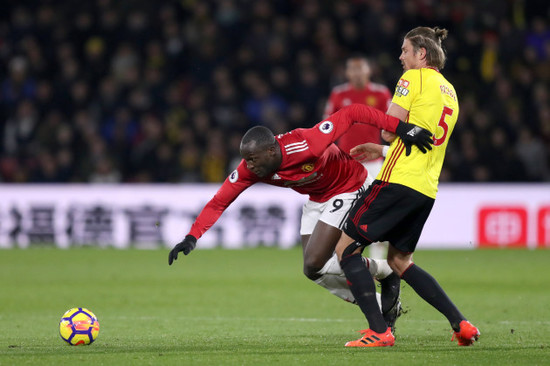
x=78 y=326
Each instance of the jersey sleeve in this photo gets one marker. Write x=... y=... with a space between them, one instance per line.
x=330 y=129
x=239 y=180
x=407 y=88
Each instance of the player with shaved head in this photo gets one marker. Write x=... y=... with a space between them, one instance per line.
x=307 y=161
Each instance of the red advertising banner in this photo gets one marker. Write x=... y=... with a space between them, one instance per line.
x=503 y=226
x=543 y=227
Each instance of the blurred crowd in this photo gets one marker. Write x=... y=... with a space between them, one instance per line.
x=162 y=91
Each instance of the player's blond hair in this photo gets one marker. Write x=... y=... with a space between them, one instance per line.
x=429 y=39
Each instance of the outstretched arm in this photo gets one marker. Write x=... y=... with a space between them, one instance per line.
x=234 y=185
x=338 y=123
x=330 y=129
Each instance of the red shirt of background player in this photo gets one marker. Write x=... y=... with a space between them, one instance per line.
x=374 y=95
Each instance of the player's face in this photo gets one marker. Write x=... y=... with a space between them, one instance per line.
x=410 y=59
x=261 y=162
x=357 y=72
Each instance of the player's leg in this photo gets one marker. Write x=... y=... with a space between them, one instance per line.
x=362 y=286
x=379 y=249
x=317 y=253
x=320 y=263
x=324 y=238
x=319 y=248
x=390 y=299
x=375 y=216
x=429 y=289
x=305 y=240
x=330 y=276
x=424 y=284
x=400 y=255
x=320 y=259
x=313 y=261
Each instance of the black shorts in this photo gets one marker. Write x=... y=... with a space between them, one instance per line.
x=389 y=212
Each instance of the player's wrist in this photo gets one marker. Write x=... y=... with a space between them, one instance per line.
x=385 y=150
x=402 y=128
x=190 y=238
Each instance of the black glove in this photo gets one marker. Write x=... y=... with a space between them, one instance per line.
x=411 y=134
x=185 y=246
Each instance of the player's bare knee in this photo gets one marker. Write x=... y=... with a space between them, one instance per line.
x=398 y=265
x=312 y=273
x=352 y=248
x=312 y=268
x=393 y=265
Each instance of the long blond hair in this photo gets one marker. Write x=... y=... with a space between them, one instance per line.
x=429 y=39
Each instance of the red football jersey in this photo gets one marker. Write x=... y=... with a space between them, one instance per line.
x=374 y=95
x=311 y=164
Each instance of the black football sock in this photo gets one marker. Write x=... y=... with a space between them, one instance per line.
x=390 y=291
x=427 y=288
x=362 y=287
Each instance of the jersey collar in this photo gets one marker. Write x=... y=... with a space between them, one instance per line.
x=433 y=68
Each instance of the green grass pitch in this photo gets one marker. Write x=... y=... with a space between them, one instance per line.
x=254 y=307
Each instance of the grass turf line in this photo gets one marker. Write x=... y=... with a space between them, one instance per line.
x=251 y=307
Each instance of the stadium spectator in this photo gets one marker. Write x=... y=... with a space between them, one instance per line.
x=163 y=58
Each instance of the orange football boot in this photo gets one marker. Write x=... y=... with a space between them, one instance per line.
x=373 y=339
x=467 y=335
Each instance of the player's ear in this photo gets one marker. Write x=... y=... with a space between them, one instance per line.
x=423 y=53
x=272 y=150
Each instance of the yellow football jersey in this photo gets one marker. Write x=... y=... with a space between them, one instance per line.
x=432 y=104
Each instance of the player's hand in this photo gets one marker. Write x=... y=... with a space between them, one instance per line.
x=411 y=134
x=366 y=152
x=185 y=246
x=388 y=136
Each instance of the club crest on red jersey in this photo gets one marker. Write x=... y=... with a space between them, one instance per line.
x=234 y=176
x=371 y=101
x=308 y=167
x=326 y=127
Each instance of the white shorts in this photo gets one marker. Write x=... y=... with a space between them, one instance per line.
x=373 y=167
x=332 y=212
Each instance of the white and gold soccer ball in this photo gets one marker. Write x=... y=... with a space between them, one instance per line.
x=78 y=327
